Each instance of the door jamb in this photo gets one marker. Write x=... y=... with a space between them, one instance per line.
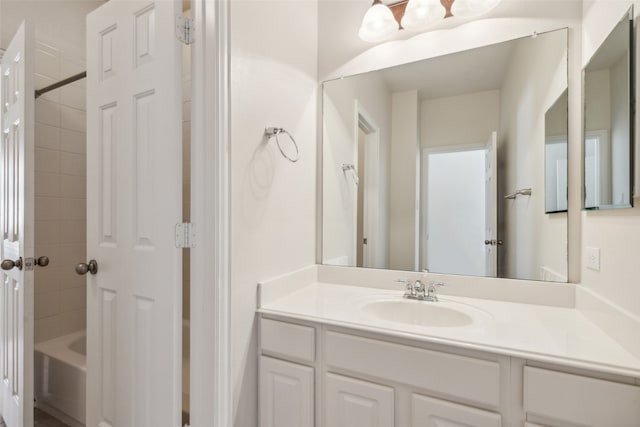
x=210 y=376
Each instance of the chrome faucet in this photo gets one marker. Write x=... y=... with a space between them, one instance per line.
x=431 y=291
x=419 y=291
x=409 y=290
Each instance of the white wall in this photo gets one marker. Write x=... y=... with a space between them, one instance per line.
x=616 y=233
x=273 y=201
x=404 y=177
x=536 y=77
x=339 y=133
x=460 y=120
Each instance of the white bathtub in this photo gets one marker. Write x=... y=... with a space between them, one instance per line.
x=60 y=377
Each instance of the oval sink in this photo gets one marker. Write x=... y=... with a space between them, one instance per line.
x=419 y=313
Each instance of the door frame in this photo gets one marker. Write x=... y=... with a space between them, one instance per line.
x=210 y=214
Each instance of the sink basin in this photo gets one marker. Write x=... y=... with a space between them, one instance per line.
x=418 y=313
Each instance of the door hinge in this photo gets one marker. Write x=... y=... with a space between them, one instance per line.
x=185 y=235
x=185 y=29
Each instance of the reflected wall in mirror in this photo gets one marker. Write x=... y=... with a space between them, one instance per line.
x=555 y=155
x=418 y=159
x=608 y=122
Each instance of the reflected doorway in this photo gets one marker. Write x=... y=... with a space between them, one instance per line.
x=456 y=215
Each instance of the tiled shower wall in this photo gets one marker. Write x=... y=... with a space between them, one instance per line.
x=60 y=187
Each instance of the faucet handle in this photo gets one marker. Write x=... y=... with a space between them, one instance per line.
x=431 y=291
x=420 y=289
x=409 y=289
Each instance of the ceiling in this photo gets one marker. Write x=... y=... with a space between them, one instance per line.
x=470 y=71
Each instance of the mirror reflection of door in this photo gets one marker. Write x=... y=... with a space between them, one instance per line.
x=458 y=216
x=491 y=206
x=363 y=176
x=361 y=239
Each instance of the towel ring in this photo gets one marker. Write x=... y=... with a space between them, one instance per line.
x=273 y=131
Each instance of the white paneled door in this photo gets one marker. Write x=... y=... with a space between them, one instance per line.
x=16 y=216
x=134 y=185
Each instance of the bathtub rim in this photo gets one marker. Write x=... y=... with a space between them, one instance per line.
x=59 y=348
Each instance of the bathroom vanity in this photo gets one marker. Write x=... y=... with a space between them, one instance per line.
x=340 y=355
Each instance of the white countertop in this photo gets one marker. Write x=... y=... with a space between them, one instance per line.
x=536 y=332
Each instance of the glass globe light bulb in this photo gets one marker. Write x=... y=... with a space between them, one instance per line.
x=378 y=23
x=422 y=13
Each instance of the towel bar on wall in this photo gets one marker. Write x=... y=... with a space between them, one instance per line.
x=274 y=132
x=523 y=192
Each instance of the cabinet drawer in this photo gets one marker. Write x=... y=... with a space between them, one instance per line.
x=287 y=340
x=580 y=400
x=355 y=403
x=465 y=378
x=430 y=412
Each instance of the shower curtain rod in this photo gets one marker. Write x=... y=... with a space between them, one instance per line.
x=61 y=83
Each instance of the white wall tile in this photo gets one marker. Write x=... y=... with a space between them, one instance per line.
x=73 y=119
x=73 y=142
x=73 y=164
x=73 y=299
x=74 y=209
x=71 y=254
x=60 y=181
x=47 y=136
x=47 y=209
x=73 y=186
x=47 y=160
x=69 y=278
x=74 y=97
x=72 y=321
x=47 y=279
x=47 y=112
x=46 y=304
x=70 y=68
x=48 y=232
x=47 y=61
x=46 y=328
x=47 y=184
x=73 y=232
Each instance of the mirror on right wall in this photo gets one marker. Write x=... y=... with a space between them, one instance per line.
x=608 y=121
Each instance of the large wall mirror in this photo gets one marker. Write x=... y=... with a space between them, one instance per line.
x=608 y=121
x=445 y=164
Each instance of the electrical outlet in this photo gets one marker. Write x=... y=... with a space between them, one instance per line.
x=592 y=258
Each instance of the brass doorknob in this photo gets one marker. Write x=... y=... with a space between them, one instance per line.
x=42 y=261
x=8 y=264
x=91 y=267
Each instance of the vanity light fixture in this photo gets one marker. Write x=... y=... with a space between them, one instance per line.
x=382 y=21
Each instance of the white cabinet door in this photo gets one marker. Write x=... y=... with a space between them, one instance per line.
x=134 y=201
x=354 y=403
x=16 y=217
x=286 y=394
x=430 y=412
